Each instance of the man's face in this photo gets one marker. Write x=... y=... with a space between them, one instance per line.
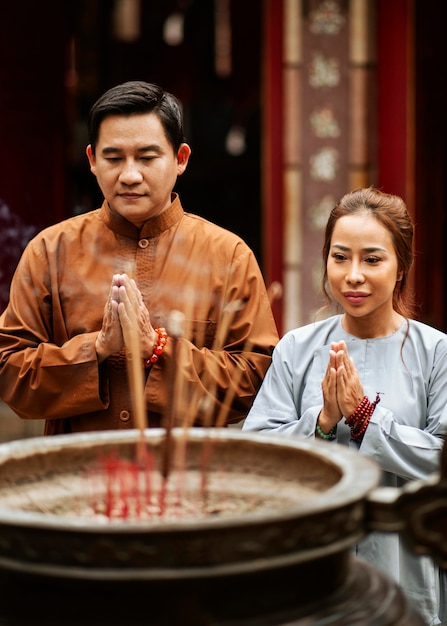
x=135 y=165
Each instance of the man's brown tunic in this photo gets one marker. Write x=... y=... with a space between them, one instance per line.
x=48 y=363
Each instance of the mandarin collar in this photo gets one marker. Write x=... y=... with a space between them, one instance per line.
x=153 y=227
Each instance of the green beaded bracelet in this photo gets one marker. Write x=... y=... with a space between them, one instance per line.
x=329 y=435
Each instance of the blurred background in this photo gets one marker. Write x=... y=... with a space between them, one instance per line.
x=288 y=104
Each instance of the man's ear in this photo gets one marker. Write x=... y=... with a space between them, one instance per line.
x=91 y=158
x=182 y=158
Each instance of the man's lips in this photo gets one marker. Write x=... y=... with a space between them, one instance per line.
x=355 y=297
x=130 y=196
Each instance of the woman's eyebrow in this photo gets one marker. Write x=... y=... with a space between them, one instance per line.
x=340 y=246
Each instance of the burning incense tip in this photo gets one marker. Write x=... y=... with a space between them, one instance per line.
x=275 y=291
x=235 y=306
x=176 y=323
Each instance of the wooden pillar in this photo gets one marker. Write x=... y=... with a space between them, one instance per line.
x=318 y=124
x=292 y=71
x=272 y=158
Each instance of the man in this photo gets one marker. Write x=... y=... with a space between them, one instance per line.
x=83 y=283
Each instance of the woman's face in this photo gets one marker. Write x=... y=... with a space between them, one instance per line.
x=362 y=268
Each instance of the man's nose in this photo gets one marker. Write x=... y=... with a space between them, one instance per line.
x=131 y=172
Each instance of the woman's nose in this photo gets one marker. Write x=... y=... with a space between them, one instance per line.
x=354 y=275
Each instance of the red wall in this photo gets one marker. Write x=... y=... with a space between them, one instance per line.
x=394 y=147
x=33 y=42
x=272 y=162
x=33 y=121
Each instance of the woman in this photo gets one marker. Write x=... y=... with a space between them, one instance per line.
x=370 y=376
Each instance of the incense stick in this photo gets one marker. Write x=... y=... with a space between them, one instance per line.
x=136 y=381
x=175 y=328
x=204 y=405
x=274 y=292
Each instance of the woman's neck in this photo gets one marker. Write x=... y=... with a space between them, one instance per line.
x=372 y=327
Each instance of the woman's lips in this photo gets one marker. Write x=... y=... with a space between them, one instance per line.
x=355 y=297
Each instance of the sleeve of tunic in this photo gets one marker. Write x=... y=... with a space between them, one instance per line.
x=407 y=429
x=290 y=399
x=44 y=371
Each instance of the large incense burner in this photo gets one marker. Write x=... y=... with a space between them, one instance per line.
x=244 y=526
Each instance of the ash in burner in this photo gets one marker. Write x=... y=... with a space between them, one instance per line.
x=116 y=478
x=117 y=489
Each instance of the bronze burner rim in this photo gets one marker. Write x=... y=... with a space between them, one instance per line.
x=359 y=477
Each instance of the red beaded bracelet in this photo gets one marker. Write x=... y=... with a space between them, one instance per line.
x=162 y=338
x=359 y=420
